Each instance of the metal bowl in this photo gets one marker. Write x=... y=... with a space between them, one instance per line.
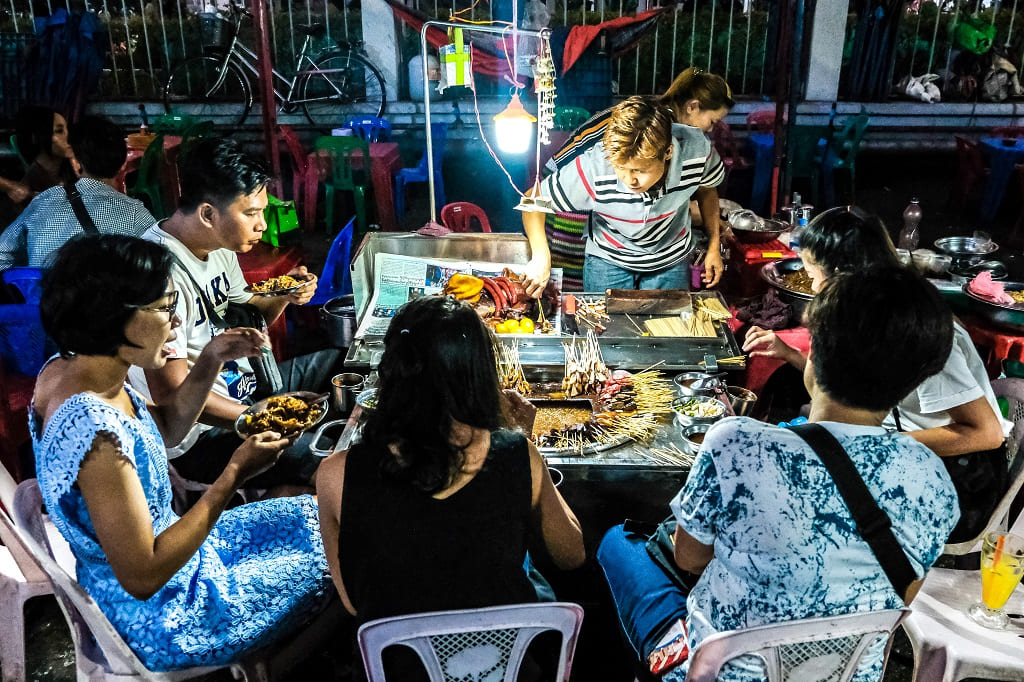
x=1010 y=316
x=774 y=272
x=717 y=407
x=765 y=230
x=965 y=250
x=693 y=437
x=684 y=382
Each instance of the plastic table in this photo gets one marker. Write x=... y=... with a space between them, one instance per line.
x=385 y=162
x=1002 y=158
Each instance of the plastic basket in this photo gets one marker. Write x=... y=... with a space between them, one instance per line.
x=214 y=31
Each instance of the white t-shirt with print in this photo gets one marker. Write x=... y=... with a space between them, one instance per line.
x=221 y=278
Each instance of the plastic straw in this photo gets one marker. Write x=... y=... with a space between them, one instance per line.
x=999 y=550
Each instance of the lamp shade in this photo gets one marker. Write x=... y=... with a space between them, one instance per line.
x=513 y=127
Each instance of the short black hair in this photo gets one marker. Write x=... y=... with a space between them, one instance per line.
x=94 y=286
x=216 y=170
x=99 y=146
x=33 y=128
x=438 y=367
x=847 y=239
x=876 y=334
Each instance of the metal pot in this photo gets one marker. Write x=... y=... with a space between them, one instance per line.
x=339 y=316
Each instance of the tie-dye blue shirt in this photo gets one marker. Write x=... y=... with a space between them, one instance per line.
x=785 y=545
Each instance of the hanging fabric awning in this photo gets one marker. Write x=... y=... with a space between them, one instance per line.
x=489 y=51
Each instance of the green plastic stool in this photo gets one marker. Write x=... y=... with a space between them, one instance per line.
x=570 y=118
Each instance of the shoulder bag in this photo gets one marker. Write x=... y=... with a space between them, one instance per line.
x=873 y=524
x=264 y=366
x=78 y=206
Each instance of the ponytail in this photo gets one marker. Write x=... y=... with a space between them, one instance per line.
x=709 y=89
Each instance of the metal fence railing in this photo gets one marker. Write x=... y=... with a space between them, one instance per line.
x=146 y=37
x=960 y=40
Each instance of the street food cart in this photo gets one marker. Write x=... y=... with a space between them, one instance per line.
x=603 y=483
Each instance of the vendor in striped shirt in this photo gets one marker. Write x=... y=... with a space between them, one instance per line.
x=637 y=185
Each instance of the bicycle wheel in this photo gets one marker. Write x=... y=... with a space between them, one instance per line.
x=341 y=87
x=193 y=88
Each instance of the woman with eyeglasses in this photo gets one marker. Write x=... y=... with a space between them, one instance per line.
x=197 y=590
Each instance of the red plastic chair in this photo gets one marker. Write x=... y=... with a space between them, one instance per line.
x=1008 y=131
x=301 y=181
x=459 y=217
x=970 y=172
x=15 y=396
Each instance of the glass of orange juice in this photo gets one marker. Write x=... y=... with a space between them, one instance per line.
x=1002 y=564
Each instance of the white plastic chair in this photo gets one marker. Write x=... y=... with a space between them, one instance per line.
x=800 y=650
x=1013 y=391
x=21 y=578
x=455 y=645
x=100 y=653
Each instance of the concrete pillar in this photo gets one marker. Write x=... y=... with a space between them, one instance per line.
x=826 y=56
x=380 y=40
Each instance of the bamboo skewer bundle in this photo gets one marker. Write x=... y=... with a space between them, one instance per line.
x=713 y=307
x=654 y=393
x=510 y=368
x=585 y=371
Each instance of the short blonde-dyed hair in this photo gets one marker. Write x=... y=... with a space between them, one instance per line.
x=638 y=128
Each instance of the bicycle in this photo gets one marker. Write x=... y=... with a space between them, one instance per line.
x=333 y=85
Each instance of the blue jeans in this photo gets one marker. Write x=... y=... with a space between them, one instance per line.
x=646 y=599
x=600 y=274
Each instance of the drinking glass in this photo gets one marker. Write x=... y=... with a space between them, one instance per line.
x=1002 y=563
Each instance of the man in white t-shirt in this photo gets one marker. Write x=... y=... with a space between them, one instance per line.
x=223 y=195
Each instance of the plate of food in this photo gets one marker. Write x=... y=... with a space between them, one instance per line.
x=277 y=286
x=288 y=414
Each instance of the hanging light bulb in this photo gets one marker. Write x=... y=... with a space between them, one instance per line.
x=513 y=127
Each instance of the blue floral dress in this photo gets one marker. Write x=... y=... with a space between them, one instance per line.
x=260 y=572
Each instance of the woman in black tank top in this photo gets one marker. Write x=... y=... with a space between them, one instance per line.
x=433 y=509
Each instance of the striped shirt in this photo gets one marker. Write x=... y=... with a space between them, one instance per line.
x=644 y=232
x=583 y=138
x=49 y=221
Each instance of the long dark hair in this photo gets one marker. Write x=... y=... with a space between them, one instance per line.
x=438 y=368
x=848 y=239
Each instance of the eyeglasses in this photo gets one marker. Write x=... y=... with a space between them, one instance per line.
x=168 y=308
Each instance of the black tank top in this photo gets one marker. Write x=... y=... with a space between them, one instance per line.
x=402 y=551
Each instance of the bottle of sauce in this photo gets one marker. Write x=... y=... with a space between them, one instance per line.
x=909 y=235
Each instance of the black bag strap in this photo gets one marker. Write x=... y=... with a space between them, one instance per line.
x=874 y=525
x=78 y=206
x=216 y=319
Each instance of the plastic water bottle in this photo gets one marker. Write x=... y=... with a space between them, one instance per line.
x=909 y=235
x=794 y=236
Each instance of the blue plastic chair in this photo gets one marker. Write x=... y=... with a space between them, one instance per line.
x=22 y=338
x=438 y=134
x=28 y=282
x=336 y=279
x=370 y=128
